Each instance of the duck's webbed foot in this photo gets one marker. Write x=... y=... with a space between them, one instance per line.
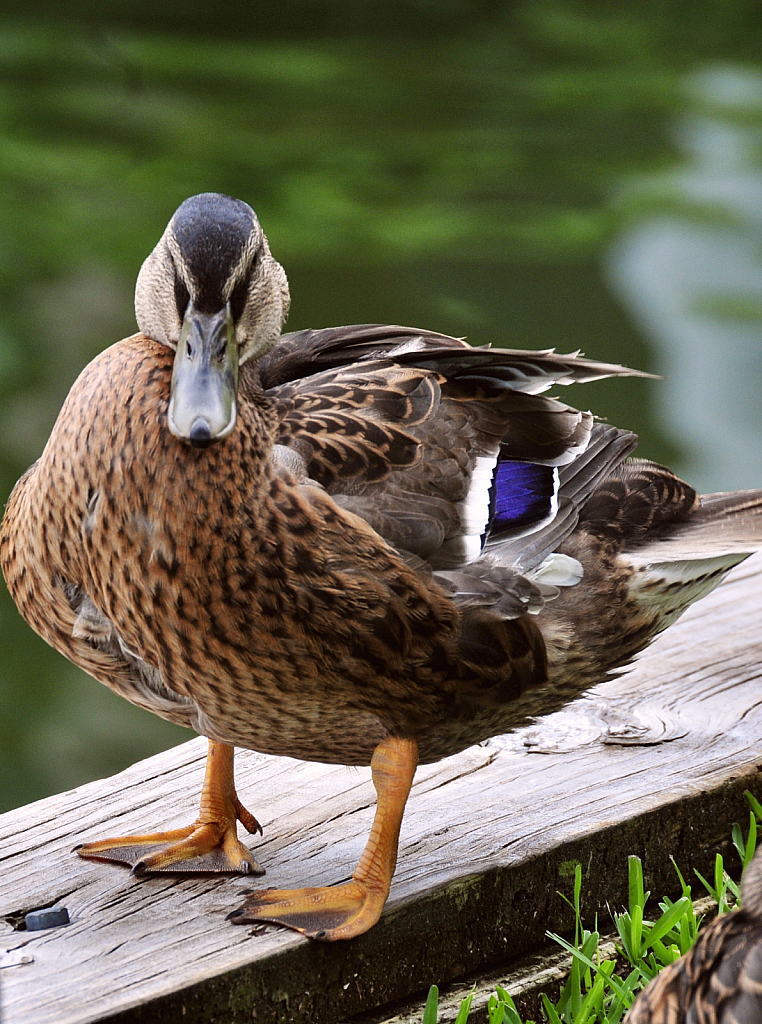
x=338 y=912
x=209 y=845
x=343 y=911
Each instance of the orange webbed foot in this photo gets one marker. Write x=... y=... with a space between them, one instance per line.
x=209 y=845
x=338 y=912
x=200 y=848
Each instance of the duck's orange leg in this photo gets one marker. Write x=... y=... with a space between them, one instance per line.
x=210 y=844
x=343 y=911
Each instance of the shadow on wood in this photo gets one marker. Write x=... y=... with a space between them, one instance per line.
x=654 y=763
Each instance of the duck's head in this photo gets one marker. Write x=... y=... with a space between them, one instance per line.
x=211 y=291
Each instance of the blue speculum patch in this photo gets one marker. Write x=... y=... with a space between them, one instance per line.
x=522 y=496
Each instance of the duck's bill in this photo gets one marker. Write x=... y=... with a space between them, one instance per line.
x=202 y=403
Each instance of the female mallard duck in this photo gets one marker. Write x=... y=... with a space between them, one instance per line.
x=719 y=981
x=362 y=545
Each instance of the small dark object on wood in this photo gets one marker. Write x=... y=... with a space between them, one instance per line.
x=53 y=917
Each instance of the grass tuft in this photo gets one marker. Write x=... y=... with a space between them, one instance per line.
x=600 y=989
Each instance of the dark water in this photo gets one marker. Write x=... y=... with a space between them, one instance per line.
x=531 y=175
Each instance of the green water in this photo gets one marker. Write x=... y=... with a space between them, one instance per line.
x=531 y=175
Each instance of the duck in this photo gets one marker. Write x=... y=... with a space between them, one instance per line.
x=361 y=545
x=719 y=980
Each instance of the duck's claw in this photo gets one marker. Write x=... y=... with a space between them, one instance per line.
x=339 y=912
x=201 y=848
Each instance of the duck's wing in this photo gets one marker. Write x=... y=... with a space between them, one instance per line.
x=305 y=353
x=63 y=614
x=446 y=451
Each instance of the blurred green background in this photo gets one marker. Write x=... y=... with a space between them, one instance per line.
x=530 y=174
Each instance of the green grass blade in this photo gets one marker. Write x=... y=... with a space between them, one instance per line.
x=635 y=873
x=720 y=884
x=572 y=997
x=511 y=1013
x=624 y=927
x=465 y=1009
x=636 y=929
x=755 y=805
x=618 y=1008
x=577 y=891
x=495 y=1009
x=751 y=841
x=710 y=889
x=685 y=887
x=550 y=1011
x=667 y=921
x=432 y=1005
x=735 y=889
x=593 y=1000
x=737 y=836
x=751 y=844
x=579 y=955
x=688 y=931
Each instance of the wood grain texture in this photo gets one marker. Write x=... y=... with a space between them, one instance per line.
x=654 y=762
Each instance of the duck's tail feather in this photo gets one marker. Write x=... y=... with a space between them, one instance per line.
x=673 y=571
x=725 y=524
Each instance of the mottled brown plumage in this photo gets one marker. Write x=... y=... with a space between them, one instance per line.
x=362 y=545
x=719 y=981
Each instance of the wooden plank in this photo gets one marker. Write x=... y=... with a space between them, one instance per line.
x=654 y=762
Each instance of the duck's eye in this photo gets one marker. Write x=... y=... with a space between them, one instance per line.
x=182 y=297
x=238 y=298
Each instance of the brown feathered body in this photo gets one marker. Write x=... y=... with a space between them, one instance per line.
x=314 y=583
x=719 y=981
